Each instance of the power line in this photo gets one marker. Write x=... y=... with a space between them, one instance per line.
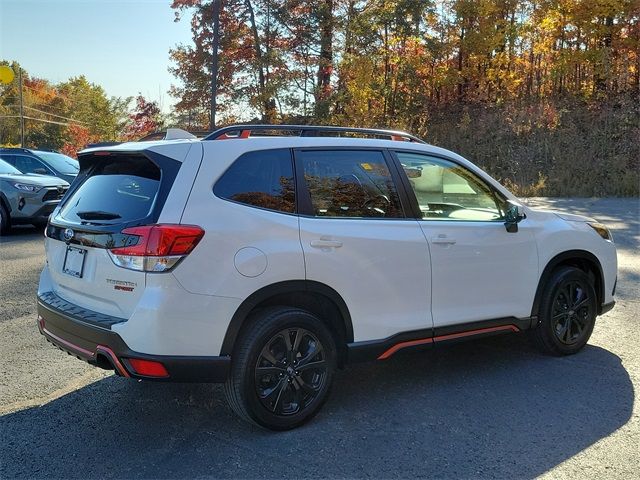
x=51 y=114
x=37 y=120
x=57 y=116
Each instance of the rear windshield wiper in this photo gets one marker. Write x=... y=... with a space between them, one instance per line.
x=97 y=215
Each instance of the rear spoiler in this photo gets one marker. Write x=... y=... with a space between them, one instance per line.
x=168 y=134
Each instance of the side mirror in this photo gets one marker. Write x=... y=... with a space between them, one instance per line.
x=40 y=171
x=513 y=215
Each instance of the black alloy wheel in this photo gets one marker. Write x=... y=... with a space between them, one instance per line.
x=571 y=312
x=281 y=368
x=567 y=312
x=291 y=371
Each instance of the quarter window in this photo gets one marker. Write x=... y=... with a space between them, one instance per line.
x=262 y=179
x=448 y=191
x=350 y=183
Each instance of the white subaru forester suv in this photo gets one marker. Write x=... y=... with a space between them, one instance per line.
x=265 y=257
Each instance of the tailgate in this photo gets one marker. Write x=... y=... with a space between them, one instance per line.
x=114 y=191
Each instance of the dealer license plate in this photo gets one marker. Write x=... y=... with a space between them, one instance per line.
x=74 y=261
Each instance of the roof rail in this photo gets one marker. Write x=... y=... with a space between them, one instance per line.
x=244 y=131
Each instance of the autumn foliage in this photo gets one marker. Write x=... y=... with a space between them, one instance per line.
x=145 y=119
x=78 y=137
x=527 y=88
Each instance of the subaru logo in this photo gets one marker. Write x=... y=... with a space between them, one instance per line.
x=68 y=234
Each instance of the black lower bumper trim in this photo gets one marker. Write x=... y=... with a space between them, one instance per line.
x=604 y=308
x=93 y=344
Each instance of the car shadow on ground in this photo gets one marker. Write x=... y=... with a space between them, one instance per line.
x=21 y=233
x=492 y=408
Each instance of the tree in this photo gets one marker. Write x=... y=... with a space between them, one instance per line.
x=77 y=138
x=250 y=64
x=146 y=118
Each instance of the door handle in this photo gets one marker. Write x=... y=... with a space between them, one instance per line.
x=326 y=243
x=443 y=240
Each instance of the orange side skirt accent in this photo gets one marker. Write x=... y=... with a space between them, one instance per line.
x=451 y=336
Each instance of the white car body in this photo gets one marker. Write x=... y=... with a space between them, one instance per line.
x=393 y=275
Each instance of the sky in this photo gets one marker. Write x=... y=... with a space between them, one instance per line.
x=121 y=45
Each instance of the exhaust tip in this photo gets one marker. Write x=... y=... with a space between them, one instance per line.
x=106 y=352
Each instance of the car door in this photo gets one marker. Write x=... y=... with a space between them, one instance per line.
x=479 y=270
x=357 y=239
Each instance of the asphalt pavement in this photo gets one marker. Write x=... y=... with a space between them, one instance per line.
x=492 y=408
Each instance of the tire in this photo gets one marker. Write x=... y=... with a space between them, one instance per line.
x=40 y=225
x=5 y=221
x=567 y=314
x=279 y=383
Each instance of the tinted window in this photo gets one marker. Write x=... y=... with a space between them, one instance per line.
x=60 y=162
x=350 y=184
x=263 y=179
x=448 y=191
x=117 y=190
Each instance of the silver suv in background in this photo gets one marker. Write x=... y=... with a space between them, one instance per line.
x=27 y=198
x=41 y=162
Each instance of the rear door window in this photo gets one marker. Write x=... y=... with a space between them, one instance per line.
x=350 y=183
x=120 y=189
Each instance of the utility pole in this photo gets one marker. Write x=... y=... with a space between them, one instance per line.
x=214 y=63
x=21 y=108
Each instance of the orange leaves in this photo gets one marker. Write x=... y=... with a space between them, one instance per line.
x=78 y=137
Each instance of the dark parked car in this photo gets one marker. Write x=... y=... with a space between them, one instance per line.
x=41 y=162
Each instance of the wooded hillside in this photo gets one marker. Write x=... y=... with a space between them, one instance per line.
x=542 y=93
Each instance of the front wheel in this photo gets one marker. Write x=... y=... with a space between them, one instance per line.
x=567 y=313
x=5 y=221
x=282 y=368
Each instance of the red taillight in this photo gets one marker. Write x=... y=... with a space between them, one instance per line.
x=148 y=368
x=161 y=240
x=158 y=247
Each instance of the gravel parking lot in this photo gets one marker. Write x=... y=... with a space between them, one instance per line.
x=490 y=408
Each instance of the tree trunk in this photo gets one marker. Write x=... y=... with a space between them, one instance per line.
x=268 y=103
x=325 y=62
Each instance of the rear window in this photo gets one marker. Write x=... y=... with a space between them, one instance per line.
x=60 y=162
x=119 y=189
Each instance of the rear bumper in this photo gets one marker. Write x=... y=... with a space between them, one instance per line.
x=102 y=347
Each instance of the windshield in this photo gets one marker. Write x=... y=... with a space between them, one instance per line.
x=60 y=162
x=6 y=168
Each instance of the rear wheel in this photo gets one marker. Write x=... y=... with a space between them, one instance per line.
x=282 y=369
x=567 y=313
x=5 y=221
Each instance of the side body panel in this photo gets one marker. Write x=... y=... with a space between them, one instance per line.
x=555 y=236
x=244 y=248
x=484 y=273
x=381 y=270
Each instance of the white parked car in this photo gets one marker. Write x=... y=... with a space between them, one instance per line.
x=266 y=262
